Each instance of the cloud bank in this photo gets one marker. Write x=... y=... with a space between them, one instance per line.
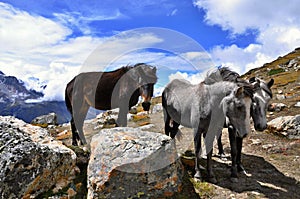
x=276 y=24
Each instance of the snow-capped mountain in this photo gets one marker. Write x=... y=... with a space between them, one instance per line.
x=15 y=100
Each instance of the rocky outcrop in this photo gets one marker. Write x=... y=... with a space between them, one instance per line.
x=131 y=163
x=31 y=161
x=45 y=120
x=288 y=126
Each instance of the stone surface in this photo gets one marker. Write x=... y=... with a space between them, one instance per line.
x=31 y=161
x=288 y=126
x=157 y=108
x=131 y=163
x=45 y=120
x=280 y=96
x=276 y=107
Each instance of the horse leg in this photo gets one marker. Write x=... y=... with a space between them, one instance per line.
x=239 y=145
x=174 y=129
x=122 y=117
x=211 y=176
x=79 y=116
x=75 y=135
x=220 y=147
x=233 y=146
x=197 y=145
x=167 y=123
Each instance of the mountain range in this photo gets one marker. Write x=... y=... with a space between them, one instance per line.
x=17 y=100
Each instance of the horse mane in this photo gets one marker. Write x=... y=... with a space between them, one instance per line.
x=225 y=74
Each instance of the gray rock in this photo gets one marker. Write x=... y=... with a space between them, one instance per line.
x=280 y=96
x=31 y=161
x=45 y=120
x=287 y=126
x=131 y=163
x=108 y=117
x=276 y=107
x=297 y=105
x=157 y=108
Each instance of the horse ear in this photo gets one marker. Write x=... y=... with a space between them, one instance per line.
x=270 y=83
x=252 y=79
x=238 y=92
x=256 y=85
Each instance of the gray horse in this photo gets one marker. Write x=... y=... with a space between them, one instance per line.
x=261 y=97
x=204 y=108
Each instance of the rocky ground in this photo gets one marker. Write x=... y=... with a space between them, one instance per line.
x=271 y=162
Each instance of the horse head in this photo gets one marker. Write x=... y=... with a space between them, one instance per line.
x=236 y=107
x=261 y=98
x=146 y=78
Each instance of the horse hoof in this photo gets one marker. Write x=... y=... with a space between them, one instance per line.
x=197 y=175
x=201 y=167
x=197 y=179
x=234 y=179
x=212 y=180
x=74 y=144
x=240 y=168
x=222 y=156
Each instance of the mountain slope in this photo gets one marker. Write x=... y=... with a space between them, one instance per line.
x=285 y=71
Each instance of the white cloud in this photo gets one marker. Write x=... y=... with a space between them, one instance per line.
x=76 y=19
x=173 y=13
x=238 y=16
x=276 y=23
x=192 y=78
x=20 y=30
x=34 y=46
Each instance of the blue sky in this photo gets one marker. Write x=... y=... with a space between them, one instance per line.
x=55 y=40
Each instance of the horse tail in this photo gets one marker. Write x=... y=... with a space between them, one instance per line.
x=68 y=95
x=166 y=115
x=179 y=135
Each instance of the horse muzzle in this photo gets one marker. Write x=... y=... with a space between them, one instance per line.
x=146 y=106
x=259 y=127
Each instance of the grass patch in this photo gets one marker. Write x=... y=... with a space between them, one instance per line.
x=275 y=71
x=204 y=189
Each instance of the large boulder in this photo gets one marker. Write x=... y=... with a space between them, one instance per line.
x=31 y=161
x=288 y=126
x=45 y=120
x=131 y=163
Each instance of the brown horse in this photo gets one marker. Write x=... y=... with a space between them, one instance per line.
x=108 y=90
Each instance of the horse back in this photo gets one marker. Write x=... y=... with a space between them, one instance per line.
x=186 y=103
x=95 y=88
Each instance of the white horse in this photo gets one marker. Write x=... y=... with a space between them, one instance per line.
x=204 y=108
